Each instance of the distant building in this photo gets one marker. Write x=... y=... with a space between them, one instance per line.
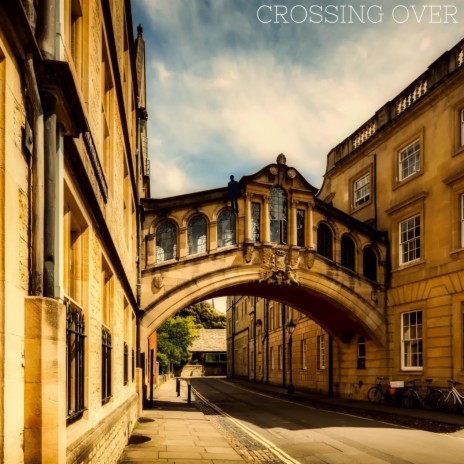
x=210 y=351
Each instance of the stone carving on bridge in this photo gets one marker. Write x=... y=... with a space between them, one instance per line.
x=248 y=252
x=310 y=257
x=279 y=266
x=157 y=283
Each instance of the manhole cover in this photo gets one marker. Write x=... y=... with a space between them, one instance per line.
x=146 y=419
x=138 y=439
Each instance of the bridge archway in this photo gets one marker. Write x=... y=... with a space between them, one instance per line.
x=295 y=271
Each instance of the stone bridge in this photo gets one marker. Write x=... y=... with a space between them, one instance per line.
x=284 y=244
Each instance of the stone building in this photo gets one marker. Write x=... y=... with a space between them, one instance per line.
x=73 y=165
x=401 y=173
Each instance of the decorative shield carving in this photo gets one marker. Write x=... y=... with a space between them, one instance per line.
x=310 y=256
x=277 y=268
x=157 y=283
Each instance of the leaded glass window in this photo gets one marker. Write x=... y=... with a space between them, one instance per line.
x=348 y=253
x=278 y=216
x=324 y=241
x=300 y=227
x=166 y=242
x=255 y=222
x=196 y=235
x=226 y=229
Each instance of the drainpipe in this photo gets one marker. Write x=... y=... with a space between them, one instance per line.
x=233 y=339
x=46 y=28
x=49 y=106
x=36 y=191
x=283 y=347
x=330 y=367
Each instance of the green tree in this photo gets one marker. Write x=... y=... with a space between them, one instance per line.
x=204 y=315
x=174 y=339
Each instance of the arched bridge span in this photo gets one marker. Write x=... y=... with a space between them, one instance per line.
x=284 y=244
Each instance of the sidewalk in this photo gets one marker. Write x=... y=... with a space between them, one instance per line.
x=176 y=432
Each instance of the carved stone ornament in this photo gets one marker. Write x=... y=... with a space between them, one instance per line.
x=248 y=252
x=279 y=271
x=310 y=256
x=157 y=283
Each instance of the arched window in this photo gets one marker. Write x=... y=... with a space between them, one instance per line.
x=370 y=264
x=278 y=216
x=348 y=253
x=324 y=241
x=166 y=242
x=226 y=229
x=196 y=235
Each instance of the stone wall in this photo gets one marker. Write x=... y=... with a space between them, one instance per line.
x=105 y=442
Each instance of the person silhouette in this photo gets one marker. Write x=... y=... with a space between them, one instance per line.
x=232 y=193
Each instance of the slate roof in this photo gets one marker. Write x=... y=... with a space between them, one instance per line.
x=210 y=340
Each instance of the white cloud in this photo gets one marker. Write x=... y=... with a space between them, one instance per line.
x=218 y=108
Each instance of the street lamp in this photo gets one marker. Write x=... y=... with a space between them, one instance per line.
x=290 y=329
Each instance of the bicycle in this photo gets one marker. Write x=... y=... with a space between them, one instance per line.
x=453 y=400
x=377 y=393
x=412 y=398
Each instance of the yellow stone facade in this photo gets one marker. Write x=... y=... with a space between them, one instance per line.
x=72 y=166
x=402 y=173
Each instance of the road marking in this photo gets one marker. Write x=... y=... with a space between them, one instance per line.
x=279 y=453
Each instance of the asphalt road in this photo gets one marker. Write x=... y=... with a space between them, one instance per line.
x=296 y=433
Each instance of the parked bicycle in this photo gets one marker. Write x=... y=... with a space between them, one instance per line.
x=453 y=400
x=411 y=397
x=378 y=393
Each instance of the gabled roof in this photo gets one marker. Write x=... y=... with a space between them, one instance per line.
x=210 y=340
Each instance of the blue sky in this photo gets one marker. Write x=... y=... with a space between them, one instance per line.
x=227 y=93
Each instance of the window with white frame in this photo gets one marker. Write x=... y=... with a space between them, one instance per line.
x=411 y=340
x=410 y=246
x=303 y=354
x=409 y=160
x=462 y=218
x=321 y=351
x=362 y=190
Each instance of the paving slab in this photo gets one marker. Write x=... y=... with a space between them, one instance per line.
x=176 y=432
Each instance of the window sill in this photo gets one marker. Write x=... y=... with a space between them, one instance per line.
x=458 y=151
x=405 y=266
x=400 y=183
x=456 y=251
x=355 y=209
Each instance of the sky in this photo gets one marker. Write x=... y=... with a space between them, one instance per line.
x=233 y=83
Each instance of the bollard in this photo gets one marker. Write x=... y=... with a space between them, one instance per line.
x=189 y=394
x=178 y=386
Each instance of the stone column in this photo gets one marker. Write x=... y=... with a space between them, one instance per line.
x=248 y=216
x=310 y=225
x=292 y=223
x=45 y=381
x=267 y=220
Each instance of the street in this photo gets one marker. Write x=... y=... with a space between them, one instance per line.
x=297 y=433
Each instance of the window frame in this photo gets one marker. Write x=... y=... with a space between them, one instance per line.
x=461 y=128
x=366 y=198
x=321 y=247
x=461 y=222
x=416 y=153
x=255 y=221
x=303 y=350
x=175 y=246
x=418 y=238
x=361 y=353
x=203 y=247
x=300 y=227
x=278 y=215
x=224 y=216
x=410 y=340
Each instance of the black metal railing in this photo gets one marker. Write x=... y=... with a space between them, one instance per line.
x=106 y=364
x=75 y=361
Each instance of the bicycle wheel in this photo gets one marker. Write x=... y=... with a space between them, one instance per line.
x=449 y=402
x=375 y=395
x=435 y=400
x=409 y=398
